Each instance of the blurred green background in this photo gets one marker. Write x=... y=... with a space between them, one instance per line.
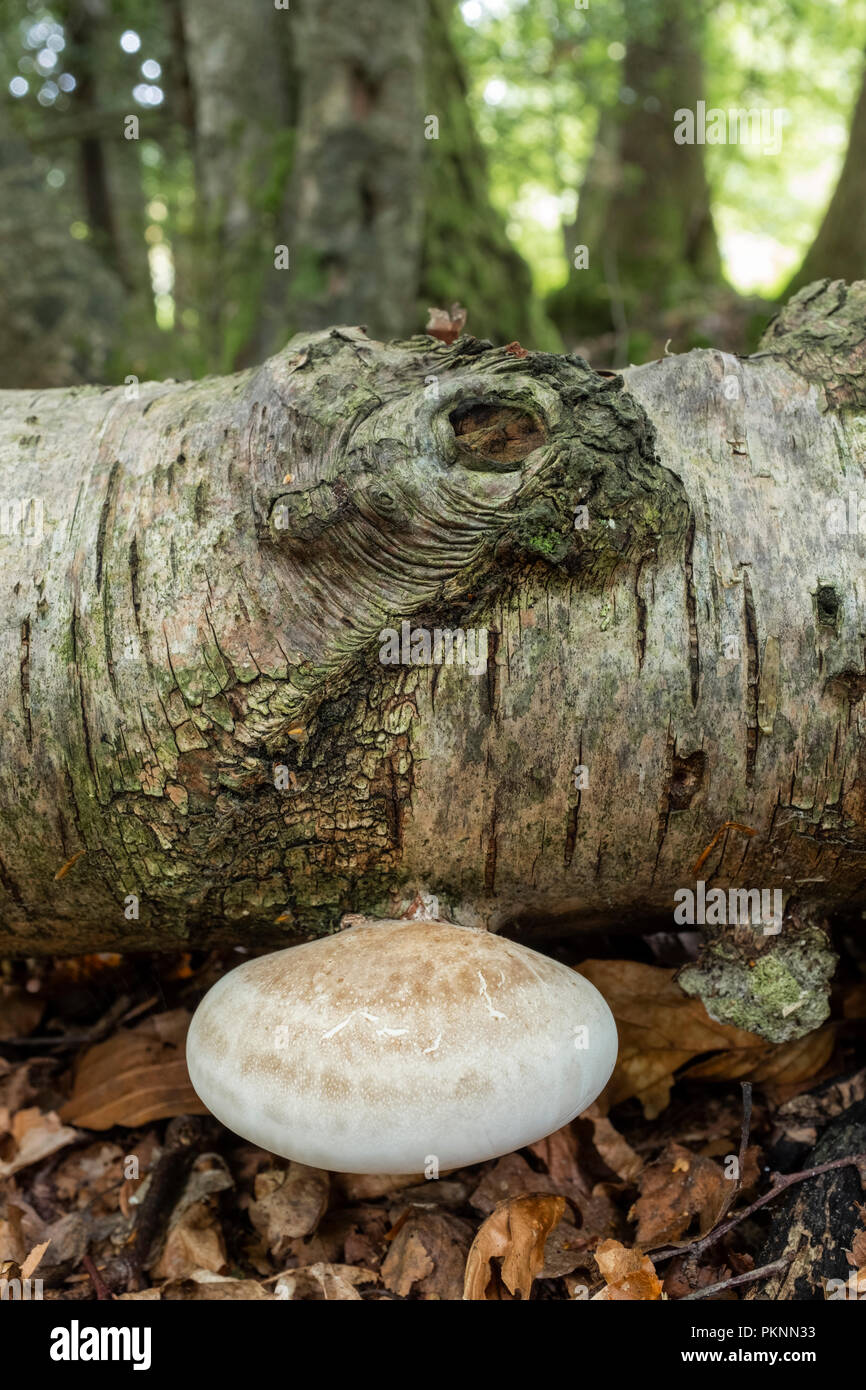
x=294 y=163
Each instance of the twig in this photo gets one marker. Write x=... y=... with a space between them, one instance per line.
x=780 y=1185
x=745 y=1126
x=728 y=825
x=48 y=1040
x=102 y=1289
x=748 y=1278
x=90 y=1035
x=744 y=1129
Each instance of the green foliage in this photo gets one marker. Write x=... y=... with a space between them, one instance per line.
x=541 y=76
x=558 y=67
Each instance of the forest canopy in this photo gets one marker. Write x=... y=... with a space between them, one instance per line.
x=187 y=183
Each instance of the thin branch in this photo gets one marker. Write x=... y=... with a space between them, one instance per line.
x=744 y=1129
x=748 y=1278
x=96 y=1279
x=780 y=1185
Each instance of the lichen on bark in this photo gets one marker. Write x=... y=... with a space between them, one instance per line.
x=777 y=986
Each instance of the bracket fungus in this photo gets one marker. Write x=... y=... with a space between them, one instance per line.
x=400 y=1047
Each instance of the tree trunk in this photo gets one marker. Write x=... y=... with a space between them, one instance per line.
x=326 y=155
x=358 y=188
x=839 y=249
x=197 y=705
x=82 y=27
x=243 y=91
x=62 y=318
x=644 y=210
x=465 y=251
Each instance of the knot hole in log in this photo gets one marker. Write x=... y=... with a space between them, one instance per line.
x=495 y=438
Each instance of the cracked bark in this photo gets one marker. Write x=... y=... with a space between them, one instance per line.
x=816 y=1223
x=219 y=559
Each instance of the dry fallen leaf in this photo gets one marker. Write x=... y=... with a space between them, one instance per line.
x=661 y=1030
x=323 y=1282
x=510 y=1176
x=674 y=1190
x=34 y=1136
x=194 y=1242
x=560 y=1154
x=686 y=1273
x=19 y=1084
x=137 y=1075
x=33 y=1260
x=619 y=1156
x=824 y=1104
x=87 y=1174
x=786 y=1064
x=202 y=1286
x=566 y=1249
x=206 y=1287
x=366 y=1187
x=514 y=1233
x=427 y=1255
x=289 y=1202
x=67 y=1240
x=342 y=1236
x=629 y=1275
x=446 y=324
x=19 y=1012
x=856 y=1256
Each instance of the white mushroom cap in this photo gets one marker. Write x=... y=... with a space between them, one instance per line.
x=395 y=1043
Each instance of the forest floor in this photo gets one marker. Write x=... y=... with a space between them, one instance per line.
x=114 y=1183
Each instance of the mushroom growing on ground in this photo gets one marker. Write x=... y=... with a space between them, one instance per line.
x=400 y=1047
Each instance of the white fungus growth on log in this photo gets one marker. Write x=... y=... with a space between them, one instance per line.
x=395 y=1046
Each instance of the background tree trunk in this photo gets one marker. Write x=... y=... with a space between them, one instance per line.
x=109 y=166
x=644 y=209
x=244 y=96
x=465 y=253
x=839 y=249
x=61 y=320
x=325 y=153
x=358 y=191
